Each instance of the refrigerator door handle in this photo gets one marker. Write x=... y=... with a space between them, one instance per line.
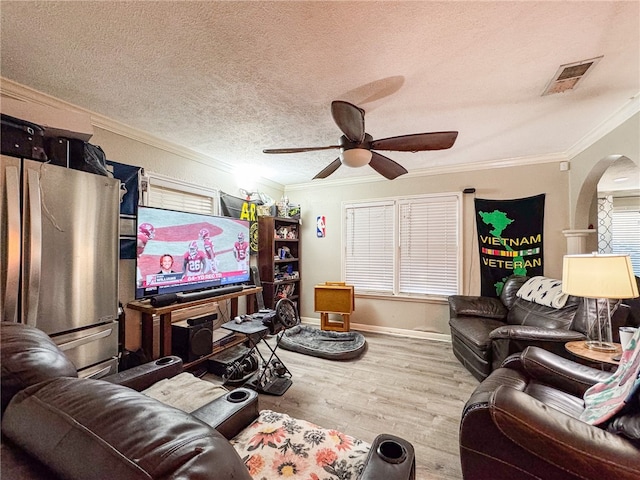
x=34 y=260
x=14 y=244
x=84 y=340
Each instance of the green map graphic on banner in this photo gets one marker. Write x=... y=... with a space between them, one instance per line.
x=509 y=239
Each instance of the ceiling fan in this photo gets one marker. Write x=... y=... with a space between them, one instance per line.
x=356 y=146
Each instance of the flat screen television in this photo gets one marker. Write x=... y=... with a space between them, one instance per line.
x=180 y=252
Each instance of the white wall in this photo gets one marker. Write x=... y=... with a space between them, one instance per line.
x=588 y=166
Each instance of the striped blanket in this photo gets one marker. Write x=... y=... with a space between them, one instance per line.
x=605 y=399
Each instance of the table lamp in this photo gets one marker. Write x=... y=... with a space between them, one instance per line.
x=598 y=278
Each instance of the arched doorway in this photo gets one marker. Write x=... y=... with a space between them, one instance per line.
x=618 y=210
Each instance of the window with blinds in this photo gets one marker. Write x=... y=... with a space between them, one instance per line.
x=369 y=246
x=175 y=195
x=403 y=246
x=625 y=233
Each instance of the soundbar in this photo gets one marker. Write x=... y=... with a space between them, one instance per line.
x=214 y=292
x=163 y=300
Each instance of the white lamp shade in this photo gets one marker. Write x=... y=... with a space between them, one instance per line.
x=355 y=157
x=599 y=276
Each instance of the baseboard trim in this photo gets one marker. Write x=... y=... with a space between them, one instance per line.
x=397 y=332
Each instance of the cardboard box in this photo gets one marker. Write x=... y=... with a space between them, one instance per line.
x=55 y=121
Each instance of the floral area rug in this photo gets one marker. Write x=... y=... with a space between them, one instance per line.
x=278 y=446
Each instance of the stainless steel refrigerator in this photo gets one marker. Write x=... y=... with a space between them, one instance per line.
x=60 y=252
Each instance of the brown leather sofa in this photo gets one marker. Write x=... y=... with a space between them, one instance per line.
x=55 y=425
x=486 y=330
x=522 y=422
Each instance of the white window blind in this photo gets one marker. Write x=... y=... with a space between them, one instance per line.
x=172 y=194
x=404 y=246
x=625 y=226
x=429 y=246
x=369 y=246
x=163 y=197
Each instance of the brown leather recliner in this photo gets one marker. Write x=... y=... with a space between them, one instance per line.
x=486 y=330
x=55 y=425
x=522 y=422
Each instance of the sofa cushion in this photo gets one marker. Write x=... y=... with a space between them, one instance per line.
x=90 y=429
x=28 y=356
x=510 y=289
x=474 y=331
x=276 y=445
x=531 y=314
x=627 y=422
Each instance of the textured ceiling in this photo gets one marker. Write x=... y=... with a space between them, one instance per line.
x=227 y=79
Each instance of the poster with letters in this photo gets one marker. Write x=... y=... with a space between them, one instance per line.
x=243 y=209
x=510 y=240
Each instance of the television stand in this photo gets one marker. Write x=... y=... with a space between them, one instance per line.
x=148 y=312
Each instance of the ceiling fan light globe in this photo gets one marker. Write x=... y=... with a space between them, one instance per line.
x=355 y=157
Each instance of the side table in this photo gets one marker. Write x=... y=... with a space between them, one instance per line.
x=579 y=349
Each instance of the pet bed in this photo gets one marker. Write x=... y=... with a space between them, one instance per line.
x=324 y=344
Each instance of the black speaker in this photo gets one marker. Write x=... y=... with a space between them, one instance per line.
x=164 y=300
x=255 y=279
x=191 y=342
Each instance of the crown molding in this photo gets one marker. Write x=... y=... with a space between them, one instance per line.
x=614 y=121
x=17 y=91
x=440 y=170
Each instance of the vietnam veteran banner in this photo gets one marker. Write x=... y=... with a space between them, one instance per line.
x=245 y=210
x=510 y=234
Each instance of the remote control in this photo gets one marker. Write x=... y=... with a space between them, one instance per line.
x=243 y=318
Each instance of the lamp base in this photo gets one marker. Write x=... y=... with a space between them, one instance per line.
x=600 y=346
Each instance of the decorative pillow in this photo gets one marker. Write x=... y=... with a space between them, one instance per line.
x=276 y=445
x=543 y=291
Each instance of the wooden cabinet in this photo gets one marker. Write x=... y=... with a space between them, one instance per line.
x=279 y=259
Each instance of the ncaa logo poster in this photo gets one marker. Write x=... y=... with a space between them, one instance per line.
x=320 y=226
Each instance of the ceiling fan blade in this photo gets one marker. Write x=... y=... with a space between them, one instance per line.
x=417 y=143
x=386 y=167
x=298 y=150
x=350 y=119
x=329 y=169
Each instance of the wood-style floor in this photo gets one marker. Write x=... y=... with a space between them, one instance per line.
x=408 y=387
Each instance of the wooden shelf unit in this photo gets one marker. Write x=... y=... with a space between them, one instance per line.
x=273 y=269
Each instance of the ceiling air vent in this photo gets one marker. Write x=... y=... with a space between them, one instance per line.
x=568 y=76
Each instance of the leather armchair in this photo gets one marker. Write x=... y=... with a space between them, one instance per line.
x=486 y=330
x=522 y=422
